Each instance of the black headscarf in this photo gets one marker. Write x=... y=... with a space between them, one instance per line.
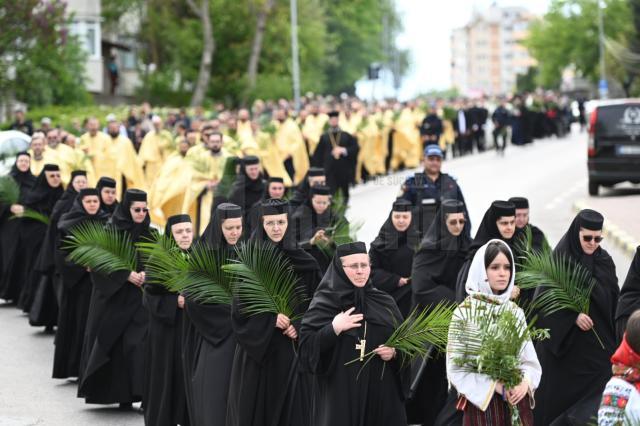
x=307 y=220
x=336 y=293
x=389 y=238
x=212 y=235
x=68 y=197
x=106 y=182
x=77 y=214
x=300 y=259
x=42 y=197
x=246 y=191
x=438 y=236
x=121 y=219
x=174 y=220
x=629 y=294
x=25 y=180
x=488 y=229
x=599 y=263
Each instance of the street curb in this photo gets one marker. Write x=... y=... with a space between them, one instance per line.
x=613 y=233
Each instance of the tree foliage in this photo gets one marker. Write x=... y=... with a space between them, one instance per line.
x=337 y=41
x=568 y=35
x=41 y=63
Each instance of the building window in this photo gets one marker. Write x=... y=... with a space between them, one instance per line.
x=89 y=34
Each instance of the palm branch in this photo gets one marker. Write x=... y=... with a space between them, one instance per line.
x=418 y=332
x=161 y=257
x=200 y=164
x=101 y=249
x=228 y=177
x=9 y=190
x=488 y=339
x=269 y=128
x=567 y=285
x=202 y=276
x=33 y=215
x=264 y=280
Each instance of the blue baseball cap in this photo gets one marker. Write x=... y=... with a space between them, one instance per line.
x=433 y=150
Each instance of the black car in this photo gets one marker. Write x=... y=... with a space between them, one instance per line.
x=614 y=143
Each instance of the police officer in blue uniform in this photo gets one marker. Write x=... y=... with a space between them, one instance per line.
x=426 y=190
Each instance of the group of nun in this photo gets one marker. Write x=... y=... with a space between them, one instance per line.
x=128 y=339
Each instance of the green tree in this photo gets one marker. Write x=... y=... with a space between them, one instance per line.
x=568 y=35
x=40 y=62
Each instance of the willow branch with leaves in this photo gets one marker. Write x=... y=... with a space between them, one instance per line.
x=264 y=280
x=489 y=339
x=101 y=249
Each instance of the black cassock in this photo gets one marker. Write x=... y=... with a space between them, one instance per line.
x=340 y=173
x=164 y=395
x=45 y=279
x=75 y=297
x=246 y=192
x=538 y=243
x=352 y=395
x=391 y=255
x=629 y=295
x=433 y=281
x=267 y=387
x=307 y=223
x=113 y=354
x=42 y=198
x=9 y=232
x=576 y=368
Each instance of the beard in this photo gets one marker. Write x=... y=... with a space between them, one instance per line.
x=215 y=150
x=114 y=134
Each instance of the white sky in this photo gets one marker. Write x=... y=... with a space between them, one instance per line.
x=427 y=28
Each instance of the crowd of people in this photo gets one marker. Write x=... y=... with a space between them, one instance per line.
x=229 y=182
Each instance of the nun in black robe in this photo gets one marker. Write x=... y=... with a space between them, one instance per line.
x=41 y=198
x=267 y=386
x=487 y=231
x=303 y=191
x=308 y=222
x=76 y=291
x=576 y=367
x=538 y=243
x=9 y=229
x=433 y=281
x=113 y=354
x=165 y=402
x=245 y=191
x=355 y=394
x=106 y=182
x=208 y=344
x=391 y=255
x=254 y=213
x=629 y=300
x=45 y=279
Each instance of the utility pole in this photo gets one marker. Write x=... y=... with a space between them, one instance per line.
x=603 y=87
x=295 y=60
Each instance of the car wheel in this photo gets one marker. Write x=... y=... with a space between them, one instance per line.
x=593 y=188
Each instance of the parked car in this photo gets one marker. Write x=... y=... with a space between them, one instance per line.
x=614 y=143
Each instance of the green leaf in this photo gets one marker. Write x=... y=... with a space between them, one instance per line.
x=264 y=280
x=34 y=215
x=488 y=339
x=9 y=190
x=101 y=249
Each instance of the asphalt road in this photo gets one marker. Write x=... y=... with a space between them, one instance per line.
x=551 y=173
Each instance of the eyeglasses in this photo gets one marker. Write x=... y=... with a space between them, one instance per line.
x=588 y=238
x=356 y=266
x=140 y=209
x=272 y=223
x=455 y=222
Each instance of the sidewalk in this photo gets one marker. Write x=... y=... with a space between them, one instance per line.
x=621 y=210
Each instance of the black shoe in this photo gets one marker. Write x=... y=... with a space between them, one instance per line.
x=125 y=406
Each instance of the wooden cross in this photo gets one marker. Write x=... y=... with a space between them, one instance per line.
x=362 y=348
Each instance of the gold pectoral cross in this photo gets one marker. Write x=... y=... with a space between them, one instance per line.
x=362 y=346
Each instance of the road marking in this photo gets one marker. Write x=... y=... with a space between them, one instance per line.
x=566 y=194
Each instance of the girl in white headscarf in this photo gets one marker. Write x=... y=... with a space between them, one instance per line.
x=482 y=399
